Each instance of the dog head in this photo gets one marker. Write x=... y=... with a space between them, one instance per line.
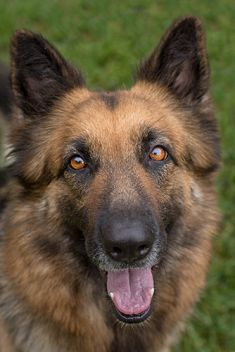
x=115 y=176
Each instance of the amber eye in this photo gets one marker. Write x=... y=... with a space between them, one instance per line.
x=77 y=163
x=158 y=154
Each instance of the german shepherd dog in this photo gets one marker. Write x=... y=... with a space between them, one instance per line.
x=108 y=202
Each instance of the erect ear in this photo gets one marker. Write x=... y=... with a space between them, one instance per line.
x=179 y=63
x=40 y=75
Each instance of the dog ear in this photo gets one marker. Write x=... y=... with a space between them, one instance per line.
x=40 y=75
x=180 y=62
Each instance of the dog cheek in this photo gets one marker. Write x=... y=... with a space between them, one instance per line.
x=196 y=193
x=169 y=201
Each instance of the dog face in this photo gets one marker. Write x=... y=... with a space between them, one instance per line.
x=112 y=176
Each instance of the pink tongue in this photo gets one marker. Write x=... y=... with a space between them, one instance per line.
x=131 y=290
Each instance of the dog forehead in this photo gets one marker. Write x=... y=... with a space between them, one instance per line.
x=113 y=123
x=122 y=114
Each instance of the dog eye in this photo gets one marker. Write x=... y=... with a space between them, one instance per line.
x=77 y=163
x=158 y=154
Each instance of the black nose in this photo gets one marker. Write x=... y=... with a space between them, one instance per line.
x=127 y=241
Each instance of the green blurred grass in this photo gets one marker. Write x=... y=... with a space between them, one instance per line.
x=106 y=39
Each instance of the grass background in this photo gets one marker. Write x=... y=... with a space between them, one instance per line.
x=106 y=39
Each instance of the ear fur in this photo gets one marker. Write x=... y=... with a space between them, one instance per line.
x=39 y=74
x=179 y=63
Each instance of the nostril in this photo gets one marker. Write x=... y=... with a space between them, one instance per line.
x=143 y=250
x=116 y=252
x=126 y=241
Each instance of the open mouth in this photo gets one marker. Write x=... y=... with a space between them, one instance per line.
x=131 y=291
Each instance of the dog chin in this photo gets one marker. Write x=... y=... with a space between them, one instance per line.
x=133 y=318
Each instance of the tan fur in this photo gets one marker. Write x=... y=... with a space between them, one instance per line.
x=49 y=299
x=6 y=345
x=54 y=299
